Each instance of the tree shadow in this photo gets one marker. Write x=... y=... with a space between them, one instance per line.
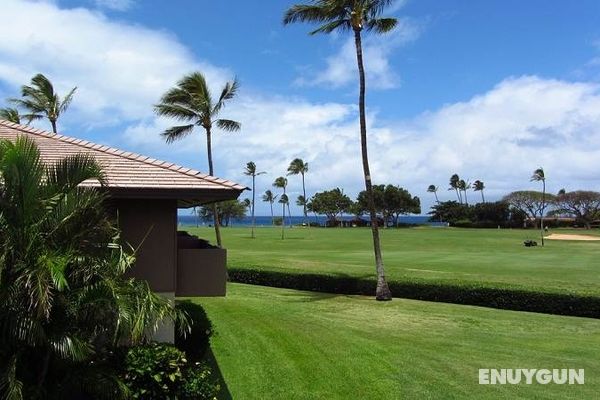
x=211 y=360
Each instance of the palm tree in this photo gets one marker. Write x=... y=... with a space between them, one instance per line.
x=41 y=101
x=302 y=202
x=281 y=183
x=268 y=197
x=353 y=16
x=284 y=201
x=463 y=186
x=538 y=175
x=433 y=189
x=10 y=115
x=297 y=166
x=478 y=186
x=65 y=301
x=191 y=102
x=454 y=185
x=251 y=171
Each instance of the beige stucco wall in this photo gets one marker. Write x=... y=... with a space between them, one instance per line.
x=151 y=227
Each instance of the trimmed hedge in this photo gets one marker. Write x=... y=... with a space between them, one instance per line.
x=508 y=298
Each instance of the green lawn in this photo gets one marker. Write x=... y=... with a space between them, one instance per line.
x=491 y=256
x=283 y=344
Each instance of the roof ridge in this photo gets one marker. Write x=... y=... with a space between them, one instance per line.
x=119 y=153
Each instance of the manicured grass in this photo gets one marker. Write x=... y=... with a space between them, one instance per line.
x=274 y=343
x=489 y=256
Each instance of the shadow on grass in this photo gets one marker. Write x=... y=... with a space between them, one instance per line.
x=211 y=360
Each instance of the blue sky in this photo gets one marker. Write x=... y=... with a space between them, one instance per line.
x=468 y=87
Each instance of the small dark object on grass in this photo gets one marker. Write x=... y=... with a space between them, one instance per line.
x=530 y=243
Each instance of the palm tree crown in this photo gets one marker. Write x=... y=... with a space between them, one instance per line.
x=191 y=102
x=41 y=100
x=345 y=15
x=10 y=115
x=538 y=175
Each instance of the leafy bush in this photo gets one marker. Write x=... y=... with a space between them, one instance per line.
x=479 y=294
x=278 y=221
x=197 y=341
x=161 y=371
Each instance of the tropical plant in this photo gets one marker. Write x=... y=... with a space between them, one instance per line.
x=65 y=301
x=270 y=198
x=251 y=171
x=284 y=201
x=281 y=183
x=40 y=100
x=353 y=16
x=433 y=189
x=478 y=186
x=191 y=102
x=454 y=185
x=10 y=115
x=391 y=201
x=226 y=211
x=584 y=205
x=330 y=203
x=539 y=176
x=299 y=167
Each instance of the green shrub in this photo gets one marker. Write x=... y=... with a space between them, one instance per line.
x=161 y=371
x=504 y=297
x=195 y=343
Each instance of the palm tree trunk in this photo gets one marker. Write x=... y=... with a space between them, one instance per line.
x=272 y=216
x=211 y=173
x=53 y=122
x=482 y=196
x=466 y=201
x=383 y=291
x=304 y=194
x=283 y=221
x=289 y=215
x=543 y=206
x=253 y=199
x=436 y=198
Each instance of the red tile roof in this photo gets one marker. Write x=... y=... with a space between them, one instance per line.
x=124 y=170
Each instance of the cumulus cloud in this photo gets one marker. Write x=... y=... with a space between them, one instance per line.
x=117 y=5
x=120 y=69
x=341 y=68
x=500 y=137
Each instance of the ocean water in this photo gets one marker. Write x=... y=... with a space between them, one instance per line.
x=191 y=220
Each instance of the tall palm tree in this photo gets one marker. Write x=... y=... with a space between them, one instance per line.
x=41 y=101
x=284 y=201
x=454 y=185
x=65 y=301
x=478 y=186
x=251 y=171
x=298 y=166
x=268 y=197
x=191 y=102
x=433 y=189
x=538 y=175
x=463 y=186
x=10 y=115
x=281 y=183
x=353 y=16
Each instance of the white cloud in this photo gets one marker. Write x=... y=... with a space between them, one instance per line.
x=500 y=137
x=117 y=5
x=120 y=69
x=341 y=67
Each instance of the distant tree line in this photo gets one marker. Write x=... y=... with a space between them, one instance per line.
x=390 y=203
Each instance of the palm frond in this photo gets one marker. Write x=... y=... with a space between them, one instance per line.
x=227 y=93
x=11 y=388
x=308 y=13
x=177 y=132
x=229 y=125
x=381 y=25
x=66 y=102
x=73 y=170
x=71 y=348
x=10 y=114
x=177 y=111
x=342 y=24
